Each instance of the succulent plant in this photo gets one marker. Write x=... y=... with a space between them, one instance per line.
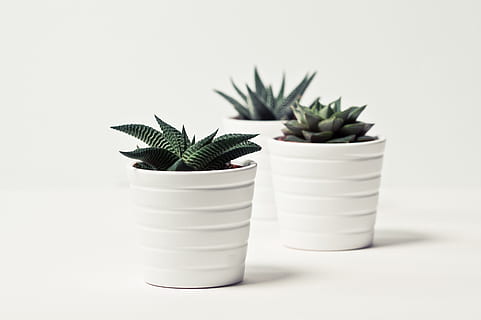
x=319 y=123
x=172 y=150
x=262 y=104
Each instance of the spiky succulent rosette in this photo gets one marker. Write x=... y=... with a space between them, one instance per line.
x=173 y=150
x=260 y=102
x=319 y=123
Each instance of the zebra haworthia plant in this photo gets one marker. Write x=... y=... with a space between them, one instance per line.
x=319 y=123
x=260 y=103
x=173 y=150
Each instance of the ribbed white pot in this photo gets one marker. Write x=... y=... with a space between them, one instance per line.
x=326 y=194
x=194 y=226
x=263 y=204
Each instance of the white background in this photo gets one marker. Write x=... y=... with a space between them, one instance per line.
x=70 y=69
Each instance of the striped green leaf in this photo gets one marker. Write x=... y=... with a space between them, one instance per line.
x=157 y=158
x=180 y=165
x=173 y=136
x=185 y=139
x=202 y=157
x=203 y=142
x=230 y=136
x=144 y=166
x=149 y=135
x=235 y=152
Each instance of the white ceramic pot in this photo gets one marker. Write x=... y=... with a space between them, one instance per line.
x=194 y=226
x=263 y=203
x=326 y=194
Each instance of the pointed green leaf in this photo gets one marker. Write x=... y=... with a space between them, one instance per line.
x=239 y=92
x=332 y=124
x=312 y=120
x=203 y=142
x=143 y=165
x=235 y=152
x=352 y=128
x=260 y=87
x=251 y=109
x=326 y=112
x=367 y=127
x=345 y=139
x=295 y=127
x=317 y=137
x=243 y=111
x=200 y=158
x=294 y=139
x=345 y=114
x=173 y=136
x=270 y=102
x=314 y=103
x=185 y=138
x=146 y=134
x=354 y=114
x=365 y=138
x=299 y=113
x=180 y=165
x=287 y=132
x=336 y=105
x=294 y=96
x=261 y=110
x=235 y=136
x=280 y=95
x=160 y=159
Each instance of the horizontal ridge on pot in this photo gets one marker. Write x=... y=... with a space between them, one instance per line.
x=326 y=194
x=263 y=202
x=194 y=225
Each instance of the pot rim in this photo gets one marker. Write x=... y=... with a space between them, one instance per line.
x=246 y=166
x=380 y=139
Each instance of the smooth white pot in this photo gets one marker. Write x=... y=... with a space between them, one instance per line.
x=326 y=194
x=194 y=225
x=263 y=204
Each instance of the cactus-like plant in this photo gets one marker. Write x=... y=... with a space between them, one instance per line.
x=260 y=103
x=321 y=123
x=172 y=150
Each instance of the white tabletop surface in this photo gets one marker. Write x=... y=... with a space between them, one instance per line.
x=72 y=254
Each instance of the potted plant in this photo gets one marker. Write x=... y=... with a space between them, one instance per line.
x=326 y=174
x=193 y=205
x=260 y=110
